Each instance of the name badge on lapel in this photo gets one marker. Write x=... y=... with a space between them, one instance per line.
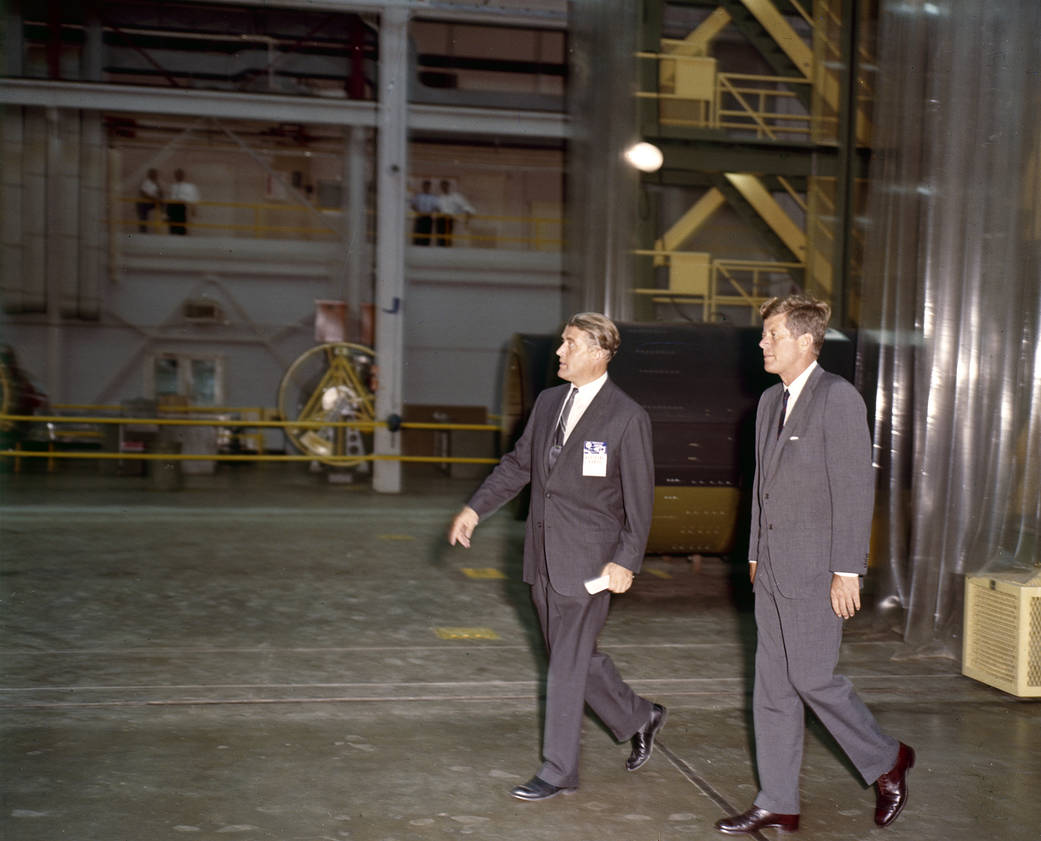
x=594 y=458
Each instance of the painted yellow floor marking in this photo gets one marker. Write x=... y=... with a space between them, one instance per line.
x=483 y=572
x=466 y=633
x=659 y=573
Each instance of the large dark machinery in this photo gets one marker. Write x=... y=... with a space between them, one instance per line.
x=700 y=383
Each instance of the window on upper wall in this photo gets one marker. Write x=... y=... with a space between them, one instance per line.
x=197 y=378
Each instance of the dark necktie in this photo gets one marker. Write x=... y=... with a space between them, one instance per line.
x=558 y=433
x=784 y=411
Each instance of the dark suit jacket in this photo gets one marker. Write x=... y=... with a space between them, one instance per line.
x=579 y=523
x=813 y=495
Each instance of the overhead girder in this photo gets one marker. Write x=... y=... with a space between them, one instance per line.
x=436 y=119
x=700 y=157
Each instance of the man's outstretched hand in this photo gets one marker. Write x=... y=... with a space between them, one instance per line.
x=463 y=527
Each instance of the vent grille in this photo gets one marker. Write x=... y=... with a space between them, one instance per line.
x=203 y=311
x=1002 y=644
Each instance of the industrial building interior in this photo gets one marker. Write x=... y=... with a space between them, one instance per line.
x=239 y=415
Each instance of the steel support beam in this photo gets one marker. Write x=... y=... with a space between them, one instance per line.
x=187 y=103
x=708 y=155
x=391 y=174
x=500 y=122
x=428 y=9
x=844 y=204
x=444 y=119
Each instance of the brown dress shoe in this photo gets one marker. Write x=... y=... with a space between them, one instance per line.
x=755 y=819
x=892 y=788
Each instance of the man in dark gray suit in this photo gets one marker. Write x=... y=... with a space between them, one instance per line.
x=812 y=505
x=586 y=451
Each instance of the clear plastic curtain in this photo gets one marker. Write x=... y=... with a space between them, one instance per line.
x=952 y=298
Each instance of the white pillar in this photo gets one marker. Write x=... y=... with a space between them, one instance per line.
x=358 y=261
x=392 y=168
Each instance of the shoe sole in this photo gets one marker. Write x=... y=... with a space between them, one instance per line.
x=654 y=738
x=781 y=827
x=565 y=791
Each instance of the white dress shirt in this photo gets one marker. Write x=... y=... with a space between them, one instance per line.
x=184 y=192
x=796 y=387
x=583 y=397
x=454 y=203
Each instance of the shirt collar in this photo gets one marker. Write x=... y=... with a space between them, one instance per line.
x=590 y=390
x=798 y=384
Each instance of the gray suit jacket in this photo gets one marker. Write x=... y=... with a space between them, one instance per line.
x=813 y=495
x=579 y=523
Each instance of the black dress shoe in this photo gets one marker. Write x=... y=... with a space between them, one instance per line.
x=538 y=789
x=755 y=819
x=643 y=741
x=892 y=788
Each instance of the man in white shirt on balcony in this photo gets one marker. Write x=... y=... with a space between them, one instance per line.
x=184 y=196
x=451 y=203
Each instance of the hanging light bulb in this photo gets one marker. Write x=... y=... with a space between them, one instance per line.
x=646 y=157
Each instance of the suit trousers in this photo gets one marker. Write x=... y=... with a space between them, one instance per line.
x=579 y=674
x=796 y=653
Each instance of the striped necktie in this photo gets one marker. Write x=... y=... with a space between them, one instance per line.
x=558 y=433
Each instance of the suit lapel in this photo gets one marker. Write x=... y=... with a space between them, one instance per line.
x=797 y=418
x=771 y=442
x=591 y=418
x=593 y=413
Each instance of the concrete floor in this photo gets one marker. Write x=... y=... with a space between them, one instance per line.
x=263 y=655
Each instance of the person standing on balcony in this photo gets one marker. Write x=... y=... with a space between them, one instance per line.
x=425 y=204
x=150 y=197
x=184 y=196
x=451 y=203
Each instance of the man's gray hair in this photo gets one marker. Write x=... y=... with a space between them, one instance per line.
x=599 y=328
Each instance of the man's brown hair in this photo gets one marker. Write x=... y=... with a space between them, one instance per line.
x=803 y=314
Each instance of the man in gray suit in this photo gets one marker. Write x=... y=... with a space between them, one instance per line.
x=811 y=526
x=586 y=451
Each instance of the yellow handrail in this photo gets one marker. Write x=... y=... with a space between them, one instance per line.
x=731 y=283
x=346 y=459
x=547 y=232
x=752 y=94
x=367 y=426
x=50 y=453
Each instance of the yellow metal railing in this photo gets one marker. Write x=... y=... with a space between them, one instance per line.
x=535 y=233
x=256 y=220
x=53 y=422
x=246 y=219
x=766 y=107
x=219 y=413
x=727 y=283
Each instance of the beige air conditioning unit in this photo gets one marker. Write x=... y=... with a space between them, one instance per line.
x=1002 y=643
